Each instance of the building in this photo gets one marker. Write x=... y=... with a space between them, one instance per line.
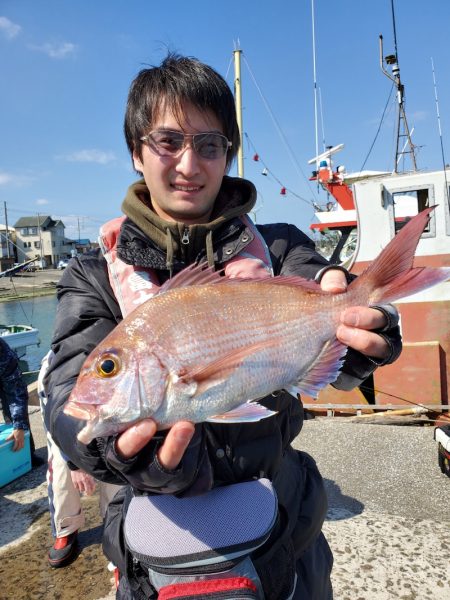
x=43 y=238
x=7 y=250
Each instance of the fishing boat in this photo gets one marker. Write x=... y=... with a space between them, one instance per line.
x=19 y=337
x=364 y=211
x=367 y=211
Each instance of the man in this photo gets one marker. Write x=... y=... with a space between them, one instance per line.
x=181 y=130
x=14 y=401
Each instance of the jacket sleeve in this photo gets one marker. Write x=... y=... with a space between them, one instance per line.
x=87 y=311
x=13 y=389
x=293 y=253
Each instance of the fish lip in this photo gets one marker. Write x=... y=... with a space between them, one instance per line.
x=81 y=410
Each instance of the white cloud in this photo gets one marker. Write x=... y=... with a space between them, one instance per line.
x=42 y=201
x=8 y=28
x=418 y=115
x=11 y=179
x=63 y=50
x=5 y=178
x=91 y=156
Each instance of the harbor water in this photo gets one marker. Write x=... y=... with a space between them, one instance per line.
x=39 y=312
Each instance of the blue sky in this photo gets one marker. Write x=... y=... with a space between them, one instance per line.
x=66 y=66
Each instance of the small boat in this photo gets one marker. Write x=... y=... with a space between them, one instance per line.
x=19 y=337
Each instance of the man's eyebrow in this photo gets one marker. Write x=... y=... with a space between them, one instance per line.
x=181 y=131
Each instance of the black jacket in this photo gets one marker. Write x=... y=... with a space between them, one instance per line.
x=218 y=454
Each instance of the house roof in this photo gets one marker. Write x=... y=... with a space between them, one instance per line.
x=37 y=221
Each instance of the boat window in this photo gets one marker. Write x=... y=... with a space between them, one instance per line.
x=337 y=245
x=407 y=204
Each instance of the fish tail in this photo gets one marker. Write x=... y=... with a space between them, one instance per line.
x=391 y=275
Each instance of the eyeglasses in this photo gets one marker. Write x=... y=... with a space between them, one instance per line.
x=172 y=143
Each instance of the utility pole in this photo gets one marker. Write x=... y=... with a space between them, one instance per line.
x=40 y=239
x=7 y=231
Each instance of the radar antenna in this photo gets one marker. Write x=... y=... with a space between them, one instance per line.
x=404 y=145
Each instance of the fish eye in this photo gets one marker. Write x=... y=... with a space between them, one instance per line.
x=108 y=365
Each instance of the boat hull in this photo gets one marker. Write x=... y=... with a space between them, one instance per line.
x=19 y=337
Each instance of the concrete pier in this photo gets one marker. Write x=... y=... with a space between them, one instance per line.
x=388 y=523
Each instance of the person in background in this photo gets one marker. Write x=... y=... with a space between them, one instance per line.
x=65 y=486
x=14 y=401
x=182 y=133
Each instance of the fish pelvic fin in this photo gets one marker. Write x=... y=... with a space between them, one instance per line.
x=249 y=412
x=391 y=275
x=324 y=370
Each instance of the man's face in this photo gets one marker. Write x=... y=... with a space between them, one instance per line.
x=183 y=188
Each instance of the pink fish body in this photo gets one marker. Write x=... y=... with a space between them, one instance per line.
x=207 y=347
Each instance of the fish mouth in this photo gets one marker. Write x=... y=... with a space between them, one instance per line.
x=87 y=412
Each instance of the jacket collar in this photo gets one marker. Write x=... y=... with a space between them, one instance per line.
x=135 y=248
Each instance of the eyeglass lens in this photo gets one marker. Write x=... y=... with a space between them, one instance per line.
x=207 y=145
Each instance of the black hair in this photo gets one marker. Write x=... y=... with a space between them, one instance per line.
x=177 y=81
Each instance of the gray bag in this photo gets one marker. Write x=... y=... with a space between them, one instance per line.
x=202 y=538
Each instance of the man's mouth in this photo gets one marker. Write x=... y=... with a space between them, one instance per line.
x=187 y=188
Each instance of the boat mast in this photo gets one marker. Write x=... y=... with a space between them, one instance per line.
x=403 y=132
x=315 y=84
x=238 y=99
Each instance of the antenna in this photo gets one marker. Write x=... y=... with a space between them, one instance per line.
x=440 y=131
x=403 y=132
x=315 y=79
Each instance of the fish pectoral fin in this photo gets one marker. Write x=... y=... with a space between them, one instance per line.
x=249 y=412
x=218 y=370
x=88 y=412
x=324 y=370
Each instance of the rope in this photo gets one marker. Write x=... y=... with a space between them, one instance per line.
x=278 y=128
x=273 y=176
x=379 y=127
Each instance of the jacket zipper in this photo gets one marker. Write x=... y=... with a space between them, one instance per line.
x=185 y=237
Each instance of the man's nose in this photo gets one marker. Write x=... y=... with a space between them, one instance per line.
x=188 y=162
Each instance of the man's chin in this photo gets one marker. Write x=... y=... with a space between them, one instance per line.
x=190 y=213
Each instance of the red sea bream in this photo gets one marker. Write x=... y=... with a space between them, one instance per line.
x=207 y=347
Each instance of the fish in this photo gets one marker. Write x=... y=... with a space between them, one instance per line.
x=207 y=347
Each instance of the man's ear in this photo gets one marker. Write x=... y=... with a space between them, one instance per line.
x=137 y=162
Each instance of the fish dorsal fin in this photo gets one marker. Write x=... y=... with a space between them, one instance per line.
x=193 y=275
x=296 y=281
x=288 y=280
x=324 y=370
x=202 y=274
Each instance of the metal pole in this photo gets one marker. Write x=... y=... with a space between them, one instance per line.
x=315 y=85
x=7 y=231
x=40 y=239
x=238 y=100
x=440 y=132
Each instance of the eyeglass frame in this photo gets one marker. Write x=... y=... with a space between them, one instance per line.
x=145 y=139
